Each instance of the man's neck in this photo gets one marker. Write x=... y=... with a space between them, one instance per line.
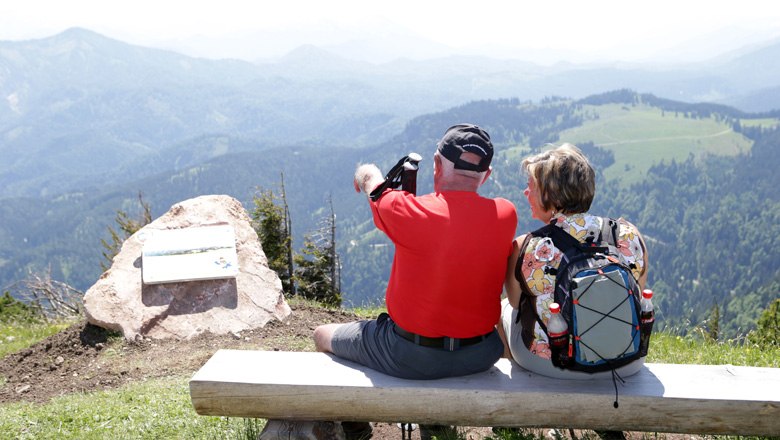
x=454 y=186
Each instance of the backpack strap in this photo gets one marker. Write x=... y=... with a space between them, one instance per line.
x=519 y=265
x=609 y=231
x=565 y=241
x=526 y=314
x=560 y=238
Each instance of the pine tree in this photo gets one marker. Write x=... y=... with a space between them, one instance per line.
x=313 y=273
x=127 y=227
x=272 y=224
x=713 y=323
x=317 y=271
x=767 y=333
x=288 y=231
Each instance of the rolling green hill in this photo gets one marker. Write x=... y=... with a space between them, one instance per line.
x=642 y=135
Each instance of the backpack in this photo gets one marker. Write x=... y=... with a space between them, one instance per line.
x=599 y=299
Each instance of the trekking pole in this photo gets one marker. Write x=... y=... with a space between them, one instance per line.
x=406 y=431
x=403 y=174
x=409 y=175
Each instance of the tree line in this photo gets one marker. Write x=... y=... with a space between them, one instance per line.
x=314 y=272
x=712 y=227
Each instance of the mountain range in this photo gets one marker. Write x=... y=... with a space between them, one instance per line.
x=79 y=107
x=88 y=122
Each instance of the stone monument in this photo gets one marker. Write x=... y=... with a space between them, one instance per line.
x=231 y=299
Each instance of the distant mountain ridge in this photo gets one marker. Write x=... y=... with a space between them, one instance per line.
x=79 y=107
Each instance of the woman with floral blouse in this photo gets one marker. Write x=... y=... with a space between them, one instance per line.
x=561 y=186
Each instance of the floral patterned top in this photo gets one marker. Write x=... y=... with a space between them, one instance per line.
x=541 y=252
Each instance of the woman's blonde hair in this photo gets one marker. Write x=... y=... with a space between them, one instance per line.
x=564 y=177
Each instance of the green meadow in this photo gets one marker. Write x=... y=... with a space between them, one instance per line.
x=640 y=136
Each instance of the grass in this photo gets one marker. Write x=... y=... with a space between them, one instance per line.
x=697 y=349
x=161 y=408
x=16 y=336
x=155 y=409
x=641 y=136
x=369 y=311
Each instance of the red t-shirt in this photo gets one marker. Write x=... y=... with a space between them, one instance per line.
x=451 y=251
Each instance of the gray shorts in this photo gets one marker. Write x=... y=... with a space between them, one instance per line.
x=375 y=344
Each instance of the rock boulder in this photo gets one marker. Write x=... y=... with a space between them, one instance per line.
x=120 y=300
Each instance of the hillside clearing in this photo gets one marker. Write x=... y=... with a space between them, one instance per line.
x=641 y=136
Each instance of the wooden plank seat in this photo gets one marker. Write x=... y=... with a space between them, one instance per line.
x=703 y=399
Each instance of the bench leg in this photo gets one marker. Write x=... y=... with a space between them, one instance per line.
x=301 y=430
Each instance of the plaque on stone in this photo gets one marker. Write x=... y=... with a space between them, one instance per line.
x=189 y=254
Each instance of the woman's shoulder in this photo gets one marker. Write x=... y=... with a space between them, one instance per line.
x=626 y=228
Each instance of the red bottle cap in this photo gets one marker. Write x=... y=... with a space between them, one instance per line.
x=555 y=308
x=647 y=293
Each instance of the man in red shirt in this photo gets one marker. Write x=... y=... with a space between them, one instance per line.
x=444 y=293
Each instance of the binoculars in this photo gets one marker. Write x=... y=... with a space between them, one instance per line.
x=403 y=174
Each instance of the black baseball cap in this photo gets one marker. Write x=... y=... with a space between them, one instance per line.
x=462 y=138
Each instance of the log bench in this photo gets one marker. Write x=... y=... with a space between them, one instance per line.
x=276 y=385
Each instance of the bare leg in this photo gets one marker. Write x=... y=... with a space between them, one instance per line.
x=323 y=335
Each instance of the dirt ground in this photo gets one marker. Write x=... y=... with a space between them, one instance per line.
x=85 y=358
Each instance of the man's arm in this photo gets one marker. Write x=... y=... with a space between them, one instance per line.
x=367 y=178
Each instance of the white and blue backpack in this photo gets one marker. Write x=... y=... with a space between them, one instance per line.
x=599 y=299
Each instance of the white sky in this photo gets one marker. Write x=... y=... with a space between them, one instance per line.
x=609 y=29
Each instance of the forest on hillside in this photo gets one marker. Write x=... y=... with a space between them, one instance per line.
x=713 y=230
x=91 y=122
x=711 y=222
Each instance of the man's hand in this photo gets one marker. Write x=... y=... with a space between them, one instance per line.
x=367 y=177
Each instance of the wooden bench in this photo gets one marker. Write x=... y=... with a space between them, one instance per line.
x=703 y=399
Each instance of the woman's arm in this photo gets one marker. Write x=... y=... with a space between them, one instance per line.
x=645 y=267
x=627 y=229
x=511 y=285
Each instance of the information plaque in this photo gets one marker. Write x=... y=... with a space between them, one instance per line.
x=189 y=254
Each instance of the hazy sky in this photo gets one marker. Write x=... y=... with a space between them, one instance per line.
x=575 y=29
